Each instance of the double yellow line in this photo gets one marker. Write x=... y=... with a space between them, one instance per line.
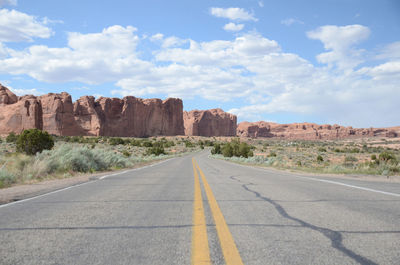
x=200 y=248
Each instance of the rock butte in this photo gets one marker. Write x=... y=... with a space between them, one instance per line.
x=58 y=115
x=213 y=122
x=135 y=117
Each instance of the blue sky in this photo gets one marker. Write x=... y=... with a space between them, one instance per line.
x=282 y=61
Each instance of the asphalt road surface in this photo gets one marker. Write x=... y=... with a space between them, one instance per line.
x=199 y=210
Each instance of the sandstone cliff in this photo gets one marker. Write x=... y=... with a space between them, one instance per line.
x=214 y=122
x=310 y=131
x=57 y=114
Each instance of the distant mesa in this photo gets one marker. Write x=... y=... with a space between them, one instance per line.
x=310 y=131
x=136 y=117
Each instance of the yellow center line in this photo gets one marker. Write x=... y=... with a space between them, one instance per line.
x=200 y=249
x=228 y=246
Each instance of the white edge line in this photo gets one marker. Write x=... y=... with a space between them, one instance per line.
x=74 y=186
x=322 y=180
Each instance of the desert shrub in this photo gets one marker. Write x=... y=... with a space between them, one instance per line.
x=33 y=141
x=11 y=138
x=116 y=141
x=188 y=144
x=216 y=149
x=227 y=150
x=135 y=142
x=1 y=140
x=147 y=144
x=373 y=157
x=322 y=149
x=386 y=157
x=320 y=158
x=126 y=153
x=80 y=159
x=6 y=178
x=272 y=154
x=155 y=150
x=236 y=148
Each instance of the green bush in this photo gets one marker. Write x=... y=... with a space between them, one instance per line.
x=386 y=157
x=147 y=144
x=34 y=141
x=155 y=150
x=227 y=150
x=188 y=144
x=216 y=149
x=322 y=149
x=272 y=154
x=237 y=149
x=11 y=138
x=373 y=157
x=320 y=158
x=126 y=153
x=116 y=141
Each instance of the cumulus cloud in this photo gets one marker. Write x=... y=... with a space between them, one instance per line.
x=8 y=2
x=233 y=27
x=16 y=26
x=340 y=42
x=232 y=13
x=90 y=58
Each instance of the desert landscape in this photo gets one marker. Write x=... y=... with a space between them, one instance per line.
x=131 y=130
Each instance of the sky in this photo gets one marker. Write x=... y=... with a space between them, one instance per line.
x=330 y=61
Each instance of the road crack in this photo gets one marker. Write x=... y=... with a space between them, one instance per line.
x=334 y=236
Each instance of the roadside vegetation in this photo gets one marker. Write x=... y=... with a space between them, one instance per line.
x=35 y=155
x=372 y=156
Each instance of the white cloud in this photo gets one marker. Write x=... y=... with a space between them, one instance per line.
x=23 y=92
x=390 y=51
x=260 y=3
x=157 y=37
x=340 y=41
x=173 y=42
x=291 y=21
x=233 y=27
x=8 y=2
x=16 y=26
x=232 y=13
x=90 y=58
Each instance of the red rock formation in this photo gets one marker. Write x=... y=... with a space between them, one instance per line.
x=310 y=131
x=18 y=114
x=56 y=114
x=214 y=122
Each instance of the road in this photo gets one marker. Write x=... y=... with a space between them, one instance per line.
x=203 y=210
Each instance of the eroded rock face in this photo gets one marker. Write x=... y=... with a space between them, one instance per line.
x=214 y=122
x=18 y=114
x=309 y=131
x=6 y=96
x=58 y=115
